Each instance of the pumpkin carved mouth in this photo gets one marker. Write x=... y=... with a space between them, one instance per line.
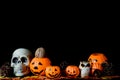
x=56 y=75
x=71 y=74
x=38 y=72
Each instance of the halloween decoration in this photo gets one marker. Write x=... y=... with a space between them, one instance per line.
x=38 y=65
x=52 y=71
x=96 y=60
x=20 y=61
x=39 y=62
x=72 y=71
x=107 y=69
x=40 y=52
x=63 y=65
x=84 y=68
x=6 y=70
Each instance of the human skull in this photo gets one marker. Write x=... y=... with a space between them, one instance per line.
x=20 y=61
x=84 y=68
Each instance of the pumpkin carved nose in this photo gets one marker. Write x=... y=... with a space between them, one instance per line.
x=52 y=72
x=35 y=67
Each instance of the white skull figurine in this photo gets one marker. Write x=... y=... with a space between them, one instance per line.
x=84 y=68
x=20 y=61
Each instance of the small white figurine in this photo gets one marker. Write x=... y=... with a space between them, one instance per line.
x=84 y=68
x=20 y=61
x=40 y=52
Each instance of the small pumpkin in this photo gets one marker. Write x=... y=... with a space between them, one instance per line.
x=52 y=71
x=39 y=62
x=72 y=71
x=96 y=60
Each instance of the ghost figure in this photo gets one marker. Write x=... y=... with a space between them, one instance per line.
x=20 y=61
x=84 y=68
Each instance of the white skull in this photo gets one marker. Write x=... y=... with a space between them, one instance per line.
x=84 y=68
x=20 y=61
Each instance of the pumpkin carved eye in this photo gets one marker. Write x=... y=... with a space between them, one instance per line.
x=55 y=69
x=73 y=71
x=95 y=60
x=40 y=63
x=33 y=63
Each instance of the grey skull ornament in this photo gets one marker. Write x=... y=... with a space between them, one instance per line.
x=20 y=61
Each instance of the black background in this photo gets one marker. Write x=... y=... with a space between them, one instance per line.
x=67 y=34
x=62 y=44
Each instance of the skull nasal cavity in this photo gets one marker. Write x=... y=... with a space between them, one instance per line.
x=19 y=61
x=35 y=67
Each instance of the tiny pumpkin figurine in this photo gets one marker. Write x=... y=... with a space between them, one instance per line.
x=39 y=62
x=53 y=72
x=72 y=71
x=96 y=60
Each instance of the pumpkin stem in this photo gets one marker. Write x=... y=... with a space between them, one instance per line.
x=40 y=52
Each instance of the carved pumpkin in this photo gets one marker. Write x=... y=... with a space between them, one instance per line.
x=96 y=60
x=52 y=71
x=38 y=65
x=39 y=62
x=72 y=71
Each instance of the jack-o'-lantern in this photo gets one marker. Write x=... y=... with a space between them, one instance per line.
x=39 y=63
x=52 y=71
x=72 y=71
x=96 y=60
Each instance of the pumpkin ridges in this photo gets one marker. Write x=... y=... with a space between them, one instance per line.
x=40 y=63
x=53 y=71
x=100 y=58
x=72 y=71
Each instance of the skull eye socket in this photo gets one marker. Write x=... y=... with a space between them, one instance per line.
x=88 y=65
x=15 y=59
x=24 y=59
x=82 y=65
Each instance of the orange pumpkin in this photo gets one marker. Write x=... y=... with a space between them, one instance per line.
x=38 y=65
x=52 y=71
x=72 y=71
x=96 y=59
